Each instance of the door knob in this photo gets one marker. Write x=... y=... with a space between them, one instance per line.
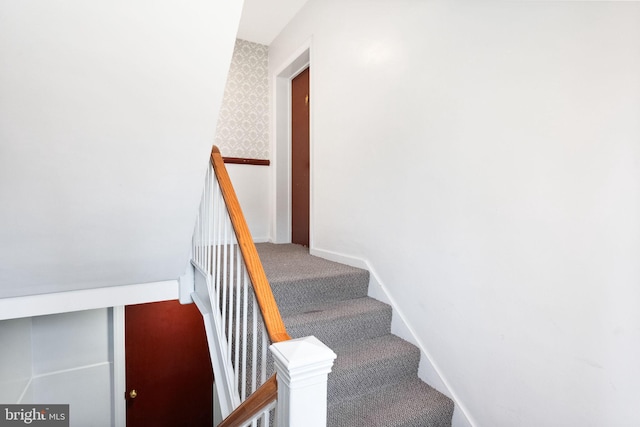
x=133 y=394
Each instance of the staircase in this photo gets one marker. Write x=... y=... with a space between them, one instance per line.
x=374 y=380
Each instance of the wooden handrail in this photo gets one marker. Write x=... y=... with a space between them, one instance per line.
x=258 y=400
x=261 y=288
x=245 y=161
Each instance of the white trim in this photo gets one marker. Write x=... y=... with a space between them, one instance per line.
x=119 y=404
x=312 y=156
x=303 y=67
x=281 y=146
x=187 y=285
x=217 y=412
x=87 y=299
x=428 y=371
x=296 y=62
x=227 y=400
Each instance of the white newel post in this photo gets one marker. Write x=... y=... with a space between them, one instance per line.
x=302 y=366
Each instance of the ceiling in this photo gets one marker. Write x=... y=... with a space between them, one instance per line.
x=262 y=20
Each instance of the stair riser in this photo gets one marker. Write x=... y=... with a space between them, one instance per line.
x=346 y=383
x=338 y=331
x=297 y=296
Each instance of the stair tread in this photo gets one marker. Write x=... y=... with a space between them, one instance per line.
x=299 y=279
x=287 y=263
x=408 y=404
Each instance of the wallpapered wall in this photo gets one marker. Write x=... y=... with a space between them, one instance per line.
x=243 y=124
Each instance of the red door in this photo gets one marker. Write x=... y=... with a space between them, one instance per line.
x=300 y=159
x=168 y=369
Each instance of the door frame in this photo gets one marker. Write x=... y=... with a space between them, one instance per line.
x=281 y=176
x=119 y=403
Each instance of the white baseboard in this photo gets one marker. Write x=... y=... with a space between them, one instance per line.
x=427 y=370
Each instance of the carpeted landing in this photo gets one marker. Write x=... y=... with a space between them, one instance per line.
x=374 y=381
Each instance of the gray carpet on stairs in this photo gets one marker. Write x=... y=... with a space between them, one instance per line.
x=374 y=381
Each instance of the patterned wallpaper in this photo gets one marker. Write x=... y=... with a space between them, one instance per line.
x=243 y=124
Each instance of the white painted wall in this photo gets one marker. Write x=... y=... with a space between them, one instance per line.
x=15 y=359
x=107 y=116
x=86 y=391
x=251 y=184
x=72 y=364
x=483 y=157
x=69 y=340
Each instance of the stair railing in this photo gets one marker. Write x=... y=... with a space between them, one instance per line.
x=242 y=322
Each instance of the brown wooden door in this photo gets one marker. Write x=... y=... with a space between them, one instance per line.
x=300 y=159
x=168 y=366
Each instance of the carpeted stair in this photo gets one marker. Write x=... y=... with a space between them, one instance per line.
x=374 y=381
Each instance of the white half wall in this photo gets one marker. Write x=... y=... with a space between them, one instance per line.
x=484 y=158
x=87 y=299
x=251 y=183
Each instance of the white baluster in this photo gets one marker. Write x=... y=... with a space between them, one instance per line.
x=225 y=263
x=210 y=207
x=237 y=320
x=245 y=305
x=265 y=346
x=218 y=229
x=254 y=347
